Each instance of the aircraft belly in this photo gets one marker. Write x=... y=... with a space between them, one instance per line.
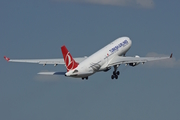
x=82 y=75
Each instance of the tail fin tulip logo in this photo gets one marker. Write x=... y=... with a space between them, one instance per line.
x=69 y=62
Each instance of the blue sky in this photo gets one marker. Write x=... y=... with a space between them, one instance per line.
x=38 y=28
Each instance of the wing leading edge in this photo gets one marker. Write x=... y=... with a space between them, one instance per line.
x=126 y=60
x=43 y=61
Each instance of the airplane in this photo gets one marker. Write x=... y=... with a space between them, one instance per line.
x=112 y=55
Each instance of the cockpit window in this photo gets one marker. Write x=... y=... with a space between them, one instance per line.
x=75 y=71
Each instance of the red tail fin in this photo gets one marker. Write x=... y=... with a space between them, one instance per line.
x=68 y=59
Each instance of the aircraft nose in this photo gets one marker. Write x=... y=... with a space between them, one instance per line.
x=130 y=42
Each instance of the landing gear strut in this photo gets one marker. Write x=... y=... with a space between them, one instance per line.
x=115 y=72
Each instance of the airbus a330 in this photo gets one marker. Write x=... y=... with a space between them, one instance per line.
x=110 y=56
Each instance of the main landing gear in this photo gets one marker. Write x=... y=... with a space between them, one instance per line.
x=115 y=75
x=115 y=72
x=85 y=78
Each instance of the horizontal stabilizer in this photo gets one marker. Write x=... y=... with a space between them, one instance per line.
x=51 y=73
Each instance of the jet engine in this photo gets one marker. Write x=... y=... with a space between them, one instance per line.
x=135 y=63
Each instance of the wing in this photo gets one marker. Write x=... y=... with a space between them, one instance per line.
x=128 y=60
x=51 y=73
x=43 y=61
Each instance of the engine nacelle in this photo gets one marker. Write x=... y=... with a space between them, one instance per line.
x=136 y=63
x=133 y=64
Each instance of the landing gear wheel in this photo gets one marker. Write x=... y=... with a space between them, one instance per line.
x=112 y=76
x=86 y=78
x=116 y=76
x=82 y=78
x=118 y=73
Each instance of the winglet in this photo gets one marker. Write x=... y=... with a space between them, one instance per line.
x=6 y=58
x=171 y=55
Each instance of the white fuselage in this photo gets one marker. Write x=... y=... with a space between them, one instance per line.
x=100 y=59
